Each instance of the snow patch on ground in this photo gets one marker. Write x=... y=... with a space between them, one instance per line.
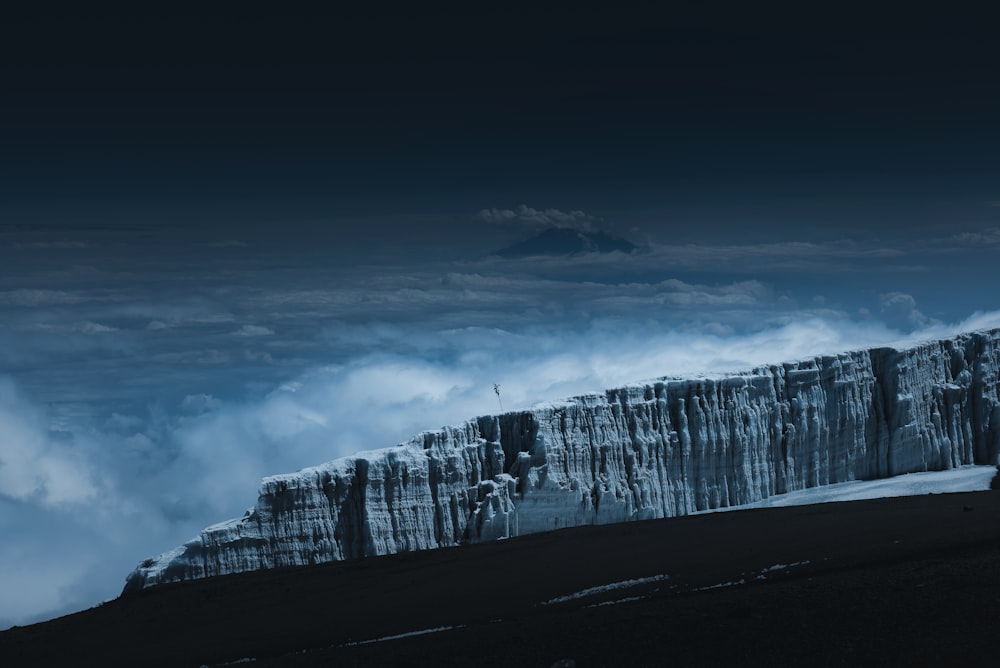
x=593 y=591
x=721 y=585
x=409 y=634
x=781 y=567
x=760 y=575
x=961 y=479
x=246 y=659
x=627 y=599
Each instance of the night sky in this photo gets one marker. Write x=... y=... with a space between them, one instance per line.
x=232 y=246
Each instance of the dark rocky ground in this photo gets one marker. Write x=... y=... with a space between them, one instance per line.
x=903 y=582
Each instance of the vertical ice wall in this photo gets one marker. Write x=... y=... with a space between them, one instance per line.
x=646 y=451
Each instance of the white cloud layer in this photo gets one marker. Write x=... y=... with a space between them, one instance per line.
x=212 y=461
x=32 y=466
x=137 y=408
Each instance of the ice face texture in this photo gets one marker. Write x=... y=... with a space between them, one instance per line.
x=661 y=449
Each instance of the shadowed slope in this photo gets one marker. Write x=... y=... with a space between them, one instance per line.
x=948 y=544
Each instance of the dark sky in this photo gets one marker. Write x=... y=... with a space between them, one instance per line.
x=848 y=121
x=236 y=245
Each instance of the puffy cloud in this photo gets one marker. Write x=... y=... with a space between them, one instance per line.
x=977 y=321
x=199 y=403
x=900 y=310
x=119 y=422
x=139 y=442
x=32 y=466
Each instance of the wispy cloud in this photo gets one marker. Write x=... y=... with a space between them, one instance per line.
x=988 y=236
x=224 y=243
x=52 y=245
x=44 y=297
x=526 y=216
x=85 y=327
x=785 y=256
x=253 y=330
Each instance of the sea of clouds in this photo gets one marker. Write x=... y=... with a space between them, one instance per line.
x=149 y=379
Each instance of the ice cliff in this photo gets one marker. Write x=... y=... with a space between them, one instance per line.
x=660 y=449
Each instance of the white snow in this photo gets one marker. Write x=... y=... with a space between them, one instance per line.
x=409 y=634
x=781 y=567
x=721 y=585
x=627 y=599
x=961 y=479
x=761 y=575
x=246 y=659
x=600 y=589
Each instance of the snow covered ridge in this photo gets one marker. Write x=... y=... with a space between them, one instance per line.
x=662 y=449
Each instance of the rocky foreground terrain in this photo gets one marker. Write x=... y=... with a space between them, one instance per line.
x=910 y=581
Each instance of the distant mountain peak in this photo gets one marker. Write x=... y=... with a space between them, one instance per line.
x=562 y=241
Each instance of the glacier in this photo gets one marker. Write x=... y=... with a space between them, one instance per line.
x=652 y=450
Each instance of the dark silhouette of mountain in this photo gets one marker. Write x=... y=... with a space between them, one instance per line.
x=556 y=241
x=902 y=581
